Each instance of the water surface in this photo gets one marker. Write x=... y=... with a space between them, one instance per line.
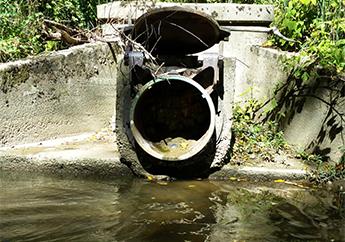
x=38 y=208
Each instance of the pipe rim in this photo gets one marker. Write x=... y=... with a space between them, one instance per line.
x=201 y=142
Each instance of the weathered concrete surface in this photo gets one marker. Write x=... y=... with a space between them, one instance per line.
x=224 y=119
x=222 y=12
x=66 y=92
x=312 y=123
x=89 y=154
x=94 y=155
x=63 y=94
x=258 y=72
x=64 y=167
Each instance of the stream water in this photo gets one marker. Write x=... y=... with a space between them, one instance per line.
x=38 y=208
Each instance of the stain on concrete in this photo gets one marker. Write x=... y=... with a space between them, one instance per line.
x=214 y=14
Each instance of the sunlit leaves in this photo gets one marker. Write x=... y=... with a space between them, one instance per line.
x=308 y=2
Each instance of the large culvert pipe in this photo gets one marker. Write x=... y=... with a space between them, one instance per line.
x=172 y=118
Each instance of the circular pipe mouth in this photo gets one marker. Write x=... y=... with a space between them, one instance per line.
x=172 y=118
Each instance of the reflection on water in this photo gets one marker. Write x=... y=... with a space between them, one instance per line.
x=52 y=209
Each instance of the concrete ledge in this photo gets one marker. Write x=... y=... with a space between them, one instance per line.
x=227 y=13
x=259 y=173
x=58 y=167
x=95 y=155
x=85 y=155
x=105 y=168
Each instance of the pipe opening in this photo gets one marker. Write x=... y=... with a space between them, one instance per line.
x=172 y=118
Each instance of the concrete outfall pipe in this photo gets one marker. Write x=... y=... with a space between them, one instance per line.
x=172 y=118
x=175 y=119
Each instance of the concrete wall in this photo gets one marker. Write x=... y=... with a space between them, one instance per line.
x=67 y=92
x=257 y=71
x=306 y=128
x=259 y=76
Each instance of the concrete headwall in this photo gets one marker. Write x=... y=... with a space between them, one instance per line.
x=74 y=91
x=224 y=13
x=64 y=93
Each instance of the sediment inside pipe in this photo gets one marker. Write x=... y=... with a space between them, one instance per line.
x=172 y=118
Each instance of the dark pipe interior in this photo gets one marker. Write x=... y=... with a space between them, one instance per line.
x=172 y=109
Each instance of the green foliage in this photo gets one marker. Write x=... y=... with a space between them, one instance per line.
x=18 y=26
x=311 y=158
x=21 y=24
x=325 y=172
x=295 y=20
x=318 y=28
x=74 y=13
x=254 y=139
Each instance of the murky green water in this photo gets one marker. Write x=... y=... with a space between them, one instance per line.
x=53 y=209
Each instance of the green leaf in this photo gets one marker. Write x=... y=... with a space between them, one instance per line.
x=305 y=2
x=274 y=103
x=305 y=76
x=290 y=24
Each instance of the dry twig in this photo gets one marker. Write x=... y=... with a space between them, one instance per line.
x=136 y=44
x=64 y=33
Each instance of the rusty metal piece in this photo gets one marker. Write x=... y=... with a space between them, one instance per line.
x=177 y=31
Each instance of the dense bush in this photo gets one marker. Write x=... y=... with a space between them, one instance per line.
x=318 y=28
x=21 y=23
